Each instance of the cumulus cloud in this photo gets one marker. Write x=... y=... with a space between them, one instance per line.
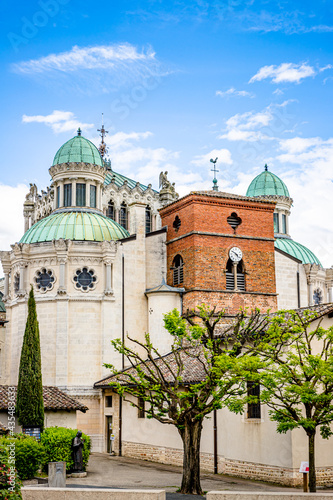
x=286 y=72
x=233 y=92
x=246 y=126
x=59 y=121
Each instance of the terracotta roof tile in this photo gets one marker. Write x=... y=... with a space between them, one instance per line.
x=54 y=399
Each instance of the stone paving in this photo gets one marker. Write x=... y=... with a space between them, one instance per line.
x=122 y=472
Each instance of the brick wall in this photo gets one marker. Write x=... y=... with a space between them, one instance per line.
x=204 y=239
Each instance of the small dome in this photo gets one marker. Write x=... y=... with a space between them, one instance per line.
x=266 y=184
x=78 y=149
x=79 y=225
x=297 y=250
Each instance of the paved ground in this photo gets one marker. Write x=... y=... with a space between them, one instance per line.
x=120 y=472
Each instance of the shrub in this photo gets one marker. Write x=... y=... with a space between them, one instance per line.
x=6 y=474
x=57 y=442
x=29 y=456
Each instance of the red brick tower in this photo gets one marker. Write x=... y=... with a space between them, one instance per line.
x=220 y=248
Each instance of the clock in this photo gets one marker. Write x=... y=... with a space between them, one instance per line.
x=235 y=254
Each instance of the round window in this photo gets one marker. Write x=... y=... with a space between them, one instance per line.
x=85 y=279
x=44 y=280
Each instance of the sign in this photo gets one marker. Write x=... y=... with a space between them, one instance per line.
x=304 y=467
x=32 y=431
x=112 y=437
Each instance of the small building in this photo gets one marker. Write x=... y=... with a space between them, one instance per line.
x=60 y=409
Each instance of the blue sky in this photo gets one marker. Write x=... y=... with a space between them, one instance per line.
x=179 y=82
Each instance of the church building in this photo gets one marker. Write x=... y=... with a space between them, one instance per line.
x=108 y=256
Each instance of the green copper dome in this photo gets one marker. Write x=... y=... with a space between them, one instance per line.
x=74 y=225
x=267 y=183
x=78 y=149
x=297 y=250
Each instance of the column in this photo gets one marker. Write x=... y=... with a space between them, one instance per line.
x=280 y=221
x=6 y=287
x=61 y=185
x=287 y=223
x=330 y=294
x=108 y=283
x=21 y=291
x=153 y=222
x=117 y=210
x=310 y=286
x=98 y=196
x=73 y=194
x=62 y=276
x=26 y=221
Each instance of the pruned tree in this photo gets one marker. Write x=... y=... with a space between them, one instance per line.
x=29 y=403
x=198 y=376
x=294 y=366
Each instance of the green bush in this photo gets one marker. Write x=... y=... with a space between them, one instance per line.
x=6 y=474
x=57 y=442
x=30 y=456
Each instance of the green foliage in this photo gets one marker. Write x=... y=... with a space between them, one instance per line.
x=29 y=456
x=30 y=404
x=57 y=442
x=7 y=472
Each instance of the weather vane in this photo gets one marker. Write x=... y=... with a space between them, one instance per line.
x=215 y=186
x=102 y=147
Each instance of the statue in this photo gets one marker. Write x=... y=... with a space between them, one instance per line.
x=77 y=446
x=164 y=183
x=31 y=196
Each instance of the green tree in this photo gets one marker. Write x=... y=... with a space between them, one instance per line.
x=294 y=367
x=29 y=403
x=197 y=377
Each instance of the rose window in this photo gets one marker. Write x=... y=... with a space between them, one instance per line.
x=44 y=280
x=85 y=279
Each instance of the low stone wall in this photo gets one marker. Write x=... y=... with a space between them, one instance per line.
x=90 y=494
x=256 y=495
x=237 y=468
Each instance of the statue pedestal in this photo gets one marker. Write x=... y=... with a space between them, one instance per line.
x=78 y=474
x=57 y=474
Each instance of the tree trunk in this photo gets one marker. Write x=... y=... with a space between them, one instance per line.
x=191 y=435
x=312 y=467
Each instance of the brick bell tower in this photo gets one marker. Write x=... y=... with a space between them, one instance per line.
x=220 y=248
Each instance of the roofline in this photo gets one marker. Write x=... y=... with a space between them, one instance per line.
x=288 y=255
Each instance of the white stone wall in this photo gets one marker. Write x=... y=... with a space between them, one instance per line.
x=286 y=282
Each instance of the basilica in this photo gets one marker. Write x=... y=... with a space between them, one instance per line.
x=108 y=256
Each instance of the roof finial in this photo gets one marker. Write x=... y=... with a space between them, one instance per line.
x=79 y=131
x=102 y=147
x=266 y=167
x=215 y=186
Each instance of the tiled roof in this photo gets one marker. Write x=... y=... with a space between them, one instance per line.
x=119 y=180
x=54 y=399
x=193 y=369
x=193 y=365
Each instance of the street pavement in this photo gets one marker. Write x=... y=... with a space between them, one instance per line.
x=122 y=472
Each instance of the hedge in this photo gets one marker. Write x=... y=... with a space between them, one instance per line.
x=57 y=442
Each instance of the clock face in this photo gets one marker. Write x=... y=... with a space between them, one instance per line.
x=235 y=254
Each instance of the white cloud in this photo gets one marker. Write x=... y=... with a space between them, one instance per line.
x=98 y=57
x=59 y=121
x=233 y=92
x=278 y=92
x=223 y=155
x=97 y=69
x=246 y=126
x=11 y=207
x=286 y=72
x=299 y=144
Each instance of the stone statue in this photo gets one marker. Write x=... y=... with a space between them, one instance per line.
x=164 y=183
x=77 y=446
x=31 y=196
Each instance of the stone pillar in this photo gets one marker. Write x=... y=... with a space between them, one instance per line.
x=117 y=211
x=26 y=220
x=153 y=222
x=330 y=293
x=73 y=194
x=108 y=278
x=287 y=223
x=98 y=196
x=6 y=287
x=280 y=221
x=61 y=184
x=62 y=275
x=310 y=288
x=21 y=292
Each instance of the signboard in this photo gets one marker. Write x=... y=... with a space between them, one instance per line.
x=32 y=431
x=112 y=437
x=304 y=467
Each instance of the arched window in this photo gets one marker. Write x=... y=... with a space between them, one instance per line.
x=123 y=215
x=230 y=276
x=178 y=270
x=148 y=219
x=110 y=210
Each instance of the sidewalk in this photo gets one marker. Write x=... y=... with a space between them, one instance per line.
x=122 y=472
